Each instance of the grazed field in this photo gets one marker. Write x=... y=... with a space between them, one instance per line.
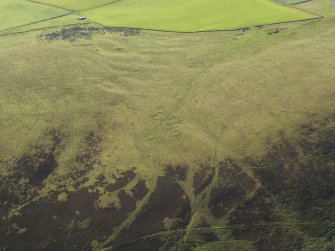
x=124 y=139
x=20 y=12
x=197 y=15
x=78 y=4
x=176 y=15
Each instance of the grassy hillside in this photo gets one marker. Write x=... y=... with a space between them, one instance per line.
x=184 y=15
x=19 y=12
x=127 y=139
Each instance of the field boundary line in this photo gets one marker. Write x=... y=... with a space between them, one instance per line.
x=235 y=29
x=223 y=30
x=293 y=6
x=38 y=29
x=48 y=4
x=282 y=2
x=306 y=1
x=318 y=18
x=36 y=22
x=96 y=7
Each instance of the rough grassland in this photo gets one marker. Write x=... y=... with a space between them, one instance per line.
x=140 y=139
x=197 y=15
x=19 y=12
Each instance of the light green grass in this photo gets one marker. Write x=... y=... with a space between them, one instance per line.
x=70 y=19
x=19 y=12
x=77 y=4
x=196 y=15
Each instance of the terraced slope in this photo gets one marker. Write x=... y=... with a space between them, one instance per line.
x=196 y=15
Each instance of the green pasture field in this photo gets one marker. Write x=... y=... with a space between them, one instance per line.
x=63 y=21
x=176 y=15
x=20 y=12
x=196 y=15
x=77 y=4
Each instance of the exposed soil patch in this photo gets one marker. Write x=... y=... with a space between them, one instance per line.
x=167 y=203
x=85 y=32
x=202 y=178
x=232 y=187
